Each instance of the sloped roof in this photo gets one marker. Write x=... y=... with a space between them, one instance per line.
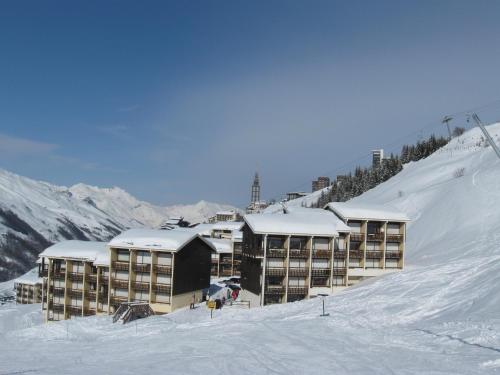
x=312 y=222
x=79 y=250
x=156 y=239
x=221 y=245
x=228 y=225
x=363 y=211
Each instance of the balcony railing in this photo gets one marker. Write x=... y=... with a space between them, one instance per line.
x=275 y=289
x=393 y=254
x=116 y=300
x=297 y=253
x=103 y=280
x=340 y=254
x=90 y=312
x=90 y=295
x=162 y=288
x=120 y=266
x=358 y=237
x=356 y=254
x=75 y=293
x=320 y=283
x=320 y=271
x=226 y=262
x=375 y=237
x=299 y=291
x=339 y=271
x=58 y=292
x=276 y=253
x=43 y=273
x=226 y=273
x=140 y=286
x=394 y=238
x=91 y=278
x=57 y=307
x=164 y=269
x=298 y=271
x=141 y=267
x=73 y=276
x=123 y=284
x=377 y=254
x=322 y=254
x=59 y=275
x=103 y=298
x=275 y=271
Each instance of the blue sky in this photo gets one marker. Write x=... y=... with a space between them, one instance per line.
x=181 y=101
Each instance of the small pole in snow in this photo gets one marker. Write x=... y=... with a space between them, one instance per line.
x=323 y=300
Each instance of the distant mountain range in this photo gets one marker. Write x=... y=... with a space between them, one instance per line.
x=35 y=214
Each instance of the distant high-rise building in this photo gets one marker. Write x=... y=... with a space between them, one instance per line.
x=255 y=189
x=320 y=183
x=377 y=157
x=256 y=205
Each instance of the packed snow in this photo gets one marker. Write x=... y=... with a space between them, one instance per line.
x=439 y=316
x=366 y=211
x=73 y=249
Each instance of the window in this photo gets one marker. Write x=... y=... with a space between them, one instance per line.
x=372 y=263
x=338 y=280
x=275 y=243
x=373 y=227
x=298 y=243
x=123 y=255
x=321 y=244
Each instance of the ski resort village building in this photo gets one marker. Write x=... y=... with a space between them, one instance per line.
x=306 y=252
x=28 y=288
x=77 y=278
x=164 y=268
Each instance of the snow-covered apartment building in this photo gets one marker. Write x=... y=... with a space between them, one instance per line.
x=305 y=252
x=28 y=288
x=165 y=268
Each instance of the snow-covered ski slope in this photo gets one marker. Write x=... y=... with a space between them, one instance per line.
x=440 y=316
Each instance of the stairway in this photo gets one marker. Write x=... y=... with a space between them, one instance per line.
x=129 y=311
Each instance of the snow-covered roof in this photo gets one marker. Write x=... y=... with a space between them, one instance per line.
x=29 y=278
x=228 y=225
x=202 y=229
x=156 y=239
x=227 y=213
x=78 y=250
x=363 y=211
x=222 y=246
x=312 y=222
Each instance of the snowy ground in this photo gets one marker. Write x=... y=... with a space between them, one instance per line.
x=439 y=316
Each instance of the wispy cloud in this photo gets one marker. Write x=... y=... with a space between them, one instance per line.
x=116 y=131
x=130 y=108
x=17 y=147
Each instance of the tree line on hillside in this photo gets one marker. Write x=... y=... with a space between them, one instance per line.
x=351 y=185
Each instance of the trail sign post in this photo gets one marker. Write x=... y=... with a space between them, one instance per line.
x=211 y=305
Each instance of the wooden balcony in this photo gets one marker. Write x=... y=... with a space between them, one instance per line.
x=340 y=254
x=320 y=272
x=393 y=254
x=394 y=238
x=90 y=295
x=163 y=269
x=275 y=289
x=357 y=237
x=77 y=277
x=103 y=280
x=140 y=286
x=322 y=254
x=43 y=273
x=162 y=288
x=123 y=284
x=103 y=298
x=275 y=271
x=115 y=300
x=226 y=262
x=75 y=293
x=90 y=312
x=57 y=307
x=299 y=291
x=59 y=292
x=297 y=253
x=74 y=310
x=320 y=282
x=141 y=267
x=60 y=275
x=374 y=254
x=355 y=254
x=337 y=271
x=378 y=237
x=276 y=253
x=120 y=266
x=91 y=278
x=298 y=271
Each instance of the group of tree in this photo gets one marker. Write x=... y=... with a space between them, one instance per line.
x=351 y=185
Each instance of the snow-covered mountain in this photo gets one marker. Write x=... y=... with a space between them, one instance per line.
x=34 y=214
x=438 y=316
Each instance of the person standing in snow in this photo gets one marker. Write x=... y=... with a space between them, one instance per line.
x=193 y=301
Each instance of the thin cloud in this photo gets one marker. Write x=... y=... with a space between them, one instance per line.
x=17 y=147
x=117 y=131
